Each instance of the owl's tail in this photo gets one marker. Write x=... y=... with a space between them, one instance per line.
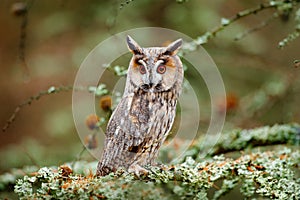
x=112 y=157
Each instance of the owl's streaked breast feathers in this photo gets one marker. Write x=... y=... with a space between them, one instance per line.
x=143 y=118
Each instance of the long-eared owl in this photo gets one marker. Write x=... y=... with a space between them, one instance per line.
x=142 y=120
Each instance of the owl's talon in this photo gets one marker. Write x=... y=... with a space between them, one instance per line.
x=137 y=170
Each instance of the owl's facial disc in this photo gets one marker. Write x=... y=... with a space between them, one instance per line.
x=154 y=69
x=152 y=75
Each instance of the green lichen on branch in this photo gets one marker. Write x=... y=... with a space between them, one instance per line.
x=257 y=174
x=242 y=139
x=269 y=174
x=235 y=140
x=8 y=179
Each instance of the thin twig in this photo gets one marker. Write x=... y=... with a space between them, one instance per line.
x=51 y=90
x=78 y=157
x=228 y=21
x=23 y=37
x=242 y=14
x=31 y=158
x=22 y=44
x=256 y=28
x=98 y=91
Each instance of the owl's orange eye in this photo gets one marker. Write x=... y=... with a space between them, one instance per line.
x=142 y=69
x=161 y=69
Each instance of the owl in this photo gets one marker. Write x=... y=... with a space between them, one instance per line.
x=143 y=118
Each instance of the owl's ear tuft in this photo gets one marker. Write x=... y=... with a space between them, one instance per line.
x=173 y=48
x=133 y=46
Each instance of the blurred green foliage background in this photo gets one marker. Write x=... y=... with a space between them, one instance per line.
x=261 y=80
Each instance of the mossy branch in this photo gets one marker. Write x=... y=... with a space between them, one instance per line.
x=235 y=140
x=268 y=174
x=257 y=174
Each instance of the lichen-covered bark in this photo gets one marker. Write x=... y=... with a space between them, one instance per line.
x=271 y=174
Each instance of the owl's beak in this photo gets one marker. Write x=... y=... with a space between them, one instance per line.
x=146 y=87
x=151 y=87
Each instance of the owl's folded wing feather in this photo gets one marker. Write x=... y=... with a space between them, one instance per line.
x=130 y=118
x=118 y=117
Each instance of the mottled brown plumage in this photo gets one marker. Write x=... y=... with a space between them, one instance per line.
x=143 y=118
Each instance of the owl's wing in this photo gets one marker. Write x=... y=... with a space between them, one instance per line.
x=130 y=118
x=118 y=117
